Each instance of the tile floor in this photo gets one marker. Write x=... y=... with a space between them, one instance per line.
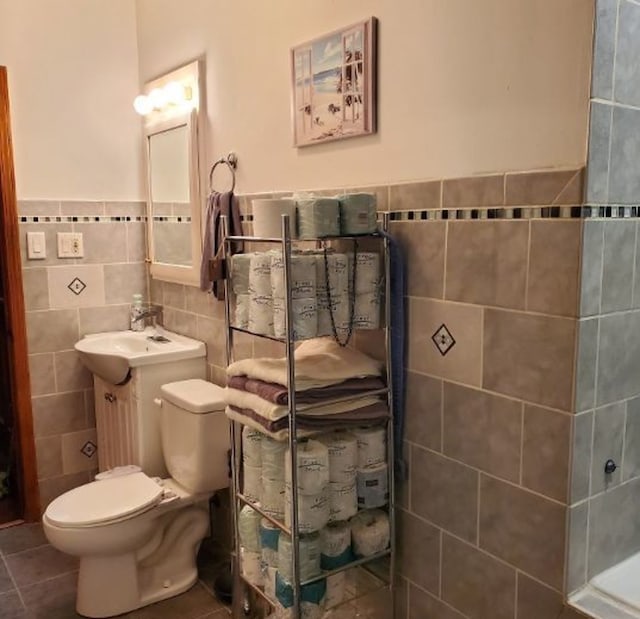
x=38 y=582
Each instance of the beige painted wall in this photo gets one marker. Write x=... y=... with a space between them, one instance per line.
x=73 y=76
x=465 y=87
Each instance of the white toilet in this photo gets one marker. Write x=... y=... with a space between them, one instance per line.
x=137 y=537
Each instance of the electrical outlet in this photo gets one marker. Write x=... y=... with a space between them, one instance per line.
x=70 y=245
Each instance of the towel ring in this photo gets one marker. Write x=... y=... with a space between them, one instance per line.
x=231 y=160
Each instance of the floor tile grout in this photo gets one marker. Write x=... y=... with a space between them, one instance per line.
x=15 y=584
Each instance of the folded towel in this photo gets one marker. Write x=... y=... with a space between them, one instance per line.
x=272 y=412
x=310 y=426
x=278 y=394
x=319 y=362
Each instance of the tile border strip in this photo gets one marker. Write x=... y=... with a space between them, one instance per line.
x=56 y=219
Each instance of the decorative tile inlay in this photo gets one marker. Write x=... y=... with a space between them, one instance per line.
x=443 y=340
x=88 y=449
x=76 y=286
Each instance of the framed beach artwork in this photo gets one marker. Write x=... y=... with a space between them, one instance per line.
x=333 y=85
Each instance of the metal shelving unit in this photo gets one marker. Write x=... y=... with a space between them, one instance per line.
x=238 y=498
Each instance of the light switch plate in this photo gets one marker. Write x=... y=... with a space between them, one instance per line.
x=36 y=246
x=70 y=245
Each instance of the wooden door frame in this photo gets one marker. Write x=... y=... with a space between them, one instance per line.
x=11 y=273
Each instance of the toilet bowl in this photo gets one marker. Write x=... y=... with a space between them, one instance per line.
x=137 y=537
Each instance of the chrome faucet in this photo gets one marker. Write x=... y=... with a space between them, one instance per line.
x=151 y=311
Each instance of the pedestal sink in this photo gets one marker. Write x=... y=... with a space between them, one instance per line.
x=111 y=355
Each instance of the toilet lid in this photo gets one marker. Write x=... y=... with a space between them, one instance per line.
x=103 y=501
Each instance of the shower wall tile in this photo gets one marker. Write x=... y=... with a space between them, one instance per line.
x=473 y=192
x=49 y=456
x=587 y=354
x=577 y=551
x=79 y=451
x=415 y=196
x=122 y=281
x=604 y=50
x=71 y=374
x=58 y=414
x=42 y=374
x=470 y=416
x=554 y=267
x=422 y=604
x=423 y=410
x=52 y=330
x=76 y=286
x=174 y=295
x=618 y=357
x=614 y=527
x=125 y=209
x=487 y=262
x=419 y=551
x=545 y=452
x=618 y=265
x=108 y=318
x=82 y=208
x=627 y=72
x=598 y=157
x=475 y=583
x=523 y=529
x=136 y=242
x=423 y=244
x=624 y=180
x=461 y=359
x=529 y=357
x=591 y=271
x=536 y=601
x=581 y=456
x=608 y=433
x=37 y=208
x=542 y=188
x=444 y=492
x=632 y=441
x=35 y=289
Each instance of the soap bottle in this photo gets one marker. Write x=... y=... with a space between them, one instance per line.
x=136 y=311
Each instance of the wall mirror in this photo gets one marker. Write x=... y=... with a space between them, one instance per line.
x=171 y=108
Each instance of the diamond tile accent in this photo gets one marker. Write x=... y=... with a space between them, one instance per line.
x=443 y=340
x=89 y=449
x=76 y=286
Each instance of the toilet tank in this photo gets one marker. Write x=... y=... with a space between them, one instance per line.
x=195 y=434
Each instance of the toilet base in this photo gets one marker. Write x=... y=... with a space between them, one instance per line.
x=113 y=585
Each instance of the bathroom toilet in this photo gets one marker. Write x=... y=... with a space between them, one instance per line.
x=137 y=537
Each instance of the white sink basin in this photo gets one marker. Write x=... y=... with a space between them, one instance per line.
x=111 y=355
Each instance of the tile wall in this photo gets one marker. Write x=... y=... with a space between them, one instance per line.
x=65 y=299
x=604 y=524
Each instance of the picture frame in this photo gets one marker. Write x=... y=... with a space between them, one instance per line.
x=333 y=85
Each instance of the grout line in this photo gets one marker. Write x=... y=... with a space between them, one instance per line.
x=610 y=147
x=515 y=595
x=527 y=267
x=615 y=54
x=478 y=503
x=435 y=597
x=445 y=260
x=522 y=443
x=13 y=581
x=633 y=272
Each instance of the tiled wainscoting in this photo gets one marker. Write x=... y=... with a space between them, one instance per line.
x=65 y=299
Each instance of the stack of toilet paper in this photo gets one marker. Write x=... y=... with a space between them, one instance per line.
x=372 y=475
x=343 y=463
x=368 y=283
x=273 y=482
x=260 y=297
x=252 y=464
x=335 y=552
x=250 y=550
x=240 y=267
x=332 y=292
x=269 y=542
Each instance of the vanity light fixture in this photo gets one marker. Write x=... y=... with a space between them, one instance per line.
x=173 y=94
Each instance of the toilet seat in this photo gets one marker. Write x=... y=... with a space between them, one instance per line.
x=104 y=502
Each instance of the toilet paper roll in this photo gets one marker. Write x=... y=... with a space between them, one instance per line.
x=260 y=274
x=370 y=532
x=252 y=483
x=267 y=216
x=318 y=217
x=304 y=314
x=340 y=307
x=336 y=589
x=240 y=267
x=302 y=276
x=373 y=486
x=313 y=510
x=251 y=447
x=368 y=275
x=272 y=498
x=260 y=314
x=343 y=500
x=250 y=566
x=309 y=557
x=312 y=597
x=366 y=314
x=312 y=469
x=358 y=213
x=241 y=309
x=372 y=446
x=343 y=455
x=269 y=536
x=273 y=459
x=337 y=269
x=269 y=579
x=249 y=529
x=335 y=546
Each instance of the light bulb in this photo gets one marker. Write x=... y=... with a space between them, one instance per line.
x=142 y=105
x=158 y=98
x=174 y=91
